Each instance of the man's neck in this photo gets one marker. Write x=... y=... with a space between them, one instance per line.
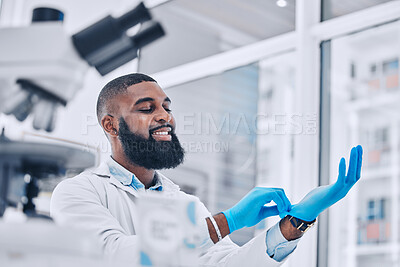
x=145 y=176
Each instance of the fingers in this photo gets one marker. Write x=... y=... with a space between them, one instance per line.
x=342 y=171
x=281 y=200
x=266 y=212
x=351 y=174
x=285 y=200
x=359 y=162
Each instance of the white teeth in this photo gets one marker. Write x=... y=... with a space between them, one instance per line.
x=161 y=133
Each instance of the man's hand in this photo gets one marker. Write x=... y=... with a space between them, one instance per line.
x=323 y=197
x=250 y=210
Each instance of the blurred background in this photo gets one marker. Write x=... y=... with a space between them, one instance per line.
x=265 y=92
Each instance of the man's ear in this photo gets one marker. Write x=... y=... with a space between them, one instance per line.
x=110 y=125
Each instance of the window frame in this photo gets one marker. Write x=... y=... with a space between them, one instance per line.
x=312 y=93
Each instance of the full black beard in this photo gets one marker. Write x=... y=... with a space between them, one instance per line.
x=149 y=153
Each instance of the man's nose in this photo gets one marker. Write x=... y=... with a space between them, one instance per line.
x=163 y=116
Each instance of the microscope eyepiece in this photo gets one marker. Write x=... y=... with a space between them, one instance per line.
x=41 y=14
x=137 y=15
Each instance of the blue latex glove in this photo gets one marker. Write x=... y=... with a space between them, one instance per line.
x=323 y=197
x=250 y=210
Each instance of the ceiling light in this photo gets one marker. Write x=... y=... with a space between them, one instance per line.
x=281 y=3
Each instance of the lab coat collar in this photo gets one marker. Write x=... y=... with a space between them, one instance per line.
x=104 y=172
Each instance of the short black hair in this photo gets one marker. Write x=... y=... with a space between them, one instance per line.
x=116 y=87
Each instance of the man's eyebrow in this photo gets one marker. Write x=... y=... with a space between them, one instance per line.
x=167 y=99
x=144 y=99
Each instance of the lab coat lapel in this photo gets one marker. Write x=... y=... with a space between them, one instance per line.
x=104 y=171
x=126 y=188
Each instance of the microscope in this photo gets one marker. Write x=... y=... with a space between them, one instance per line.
x=41 y=69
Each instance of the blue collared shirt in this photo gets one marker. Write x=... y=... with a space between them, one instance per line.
x=129 y=179
x=277 y=246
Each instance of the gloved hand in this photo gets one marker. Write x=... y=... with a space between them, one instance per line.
x=250 y=210
x=323 y=197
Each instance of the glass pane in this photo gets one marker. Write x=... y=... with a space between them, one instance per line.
x=218 y=124
x=214 y=117
x=364 y=110
x=197 y=29
x=275 y=139
x=334 y=8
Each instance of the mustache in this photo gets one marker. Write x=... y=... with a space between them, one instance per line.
x=162 y=126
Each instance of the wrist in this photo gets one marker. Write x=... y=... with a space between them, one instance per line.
x=288 y=231
x=293 y=228
x=230 y=221
x=301 y=224
x=222 y=225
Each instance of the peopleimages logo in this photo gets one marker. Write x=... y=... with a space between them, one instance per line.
x=190 y=147
x=205 y=123
x=208 y=132
x=245 y=124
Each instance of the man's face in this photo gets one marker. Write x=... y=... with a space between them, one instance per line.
x=146 y=127
x=145 y=107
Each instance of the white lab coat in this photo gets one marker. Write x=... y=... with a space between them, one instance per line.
x=98 y=202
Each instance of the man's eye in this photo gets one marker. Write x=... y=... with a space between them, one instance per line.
x=146 y=110
x=167 y=110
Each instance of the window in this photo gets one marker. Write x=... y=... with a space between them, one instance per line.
x=236 y=129
x=276 y=115
x=216 y=125
x=197 y=29
x=333 y=8
x=365 y=95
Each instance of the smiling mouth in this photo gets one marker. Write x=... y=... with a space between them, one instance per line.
x=163 y=134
